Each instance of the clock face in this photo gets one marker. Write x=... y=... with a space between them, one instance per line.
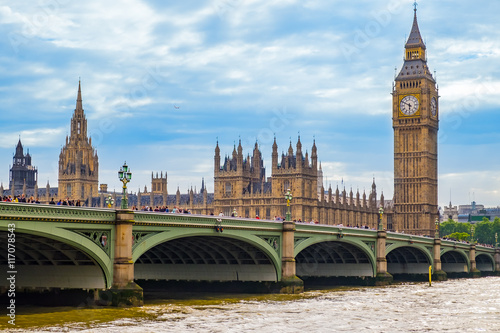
x=433 y=106
x=409 y=105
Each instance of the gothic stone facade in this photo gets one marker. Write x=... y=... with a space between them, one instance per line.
x=78 y=162
x=240 y=185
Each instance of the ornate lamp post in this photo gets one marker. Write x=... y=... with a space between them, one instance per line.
x=109 y=201
x=436 y=235
x=472 y=234
x=381 y=213
x=288 y=198
x=496 y=239
x=125 y=176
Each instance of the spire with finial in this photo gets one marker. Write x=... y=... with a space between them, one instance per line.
x=79 y=106
x=415 y=39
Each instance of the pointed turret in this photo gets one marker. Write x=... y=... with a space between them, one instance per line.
x=314 y=156
x=47 y=191
x=240 y=149
x=415 y=39
x=79 y=105
x=299 y=151
x=19 y=151
x=275 y=155
x=239 y=159
x=217 y=158
x=191 y=197
x=139 y=199
x=205 y=197
x=178 y=196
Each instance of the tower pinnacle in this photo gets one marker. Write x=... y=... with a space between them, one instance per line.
x=79 y=106
x=415 y=39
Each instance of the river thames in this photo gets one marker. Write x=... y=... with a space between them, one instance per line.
x=464 y=305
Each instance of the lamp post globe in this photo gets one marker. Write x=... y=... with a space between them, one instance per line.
x=288 y=198
x=109 y=201
x=125 y=176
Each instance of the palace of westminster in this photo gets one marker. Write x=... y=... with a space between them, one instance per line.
x=240 y=182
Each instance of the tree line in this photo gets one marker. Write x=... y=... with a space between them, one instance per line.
x=484 y=231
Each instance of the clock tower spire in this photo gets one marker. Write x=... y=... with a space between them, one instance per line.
x=415 y=121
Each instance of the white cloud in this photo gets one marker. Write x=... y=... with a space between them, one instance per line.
x=41 y=137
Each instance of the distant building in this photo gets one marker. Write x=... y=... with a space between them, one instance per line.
x=22 y=173
x=450 y=212
x=472 y=213
x=473 y=208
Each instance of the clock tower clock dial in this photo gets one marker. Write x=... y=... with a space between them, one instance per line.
x=434 y=106
x=415 y=122
x=409 y=105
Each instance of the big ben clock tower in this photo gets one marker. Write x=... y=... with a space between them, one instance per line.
x=415 y=119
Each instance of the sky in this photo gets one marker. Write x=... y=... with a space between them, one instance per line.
x=162 y=82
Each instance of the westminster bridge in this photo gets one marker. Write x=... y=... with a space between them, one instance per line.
x=107 y=250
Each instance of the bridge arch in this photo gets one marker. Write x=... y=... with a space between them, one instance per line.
x=206 y=255
x=485 y=262
x=408 y=259
x=332 y=257
x=455 y=261
x=57 y=258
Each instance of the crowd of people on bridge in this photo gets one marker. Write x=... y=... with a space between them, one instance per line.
x=162 y=209
x=19 y=198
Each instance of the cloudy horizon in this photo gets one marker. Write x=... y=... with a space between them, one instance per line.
x=163 y=82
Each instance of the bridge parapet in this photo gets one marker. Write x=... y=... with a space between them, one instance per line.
x=53 y=213
x=172 y=219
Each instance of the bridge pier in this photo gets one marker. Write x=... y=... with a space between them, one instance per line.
x=290 y=283
x=439 y=274
x=474 y=272
x=124 y=291
x=497 y=261
x=383 y=277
